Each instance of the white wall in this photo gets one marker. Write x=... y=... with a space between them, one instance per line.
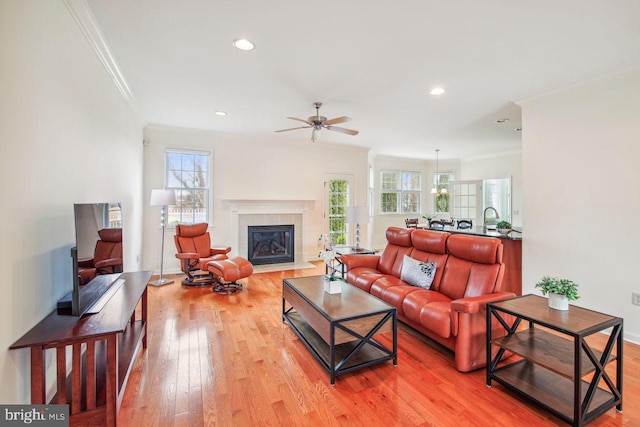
x=66 y=136
x=505 y=165
x=246 y=167
x=581 y=147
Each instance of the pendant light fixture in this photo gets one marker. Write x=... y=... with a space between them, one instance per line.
x=436 y=186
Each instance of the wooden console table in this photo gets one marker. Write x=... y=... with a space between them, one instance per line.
x=103 y=348
x=557 y=368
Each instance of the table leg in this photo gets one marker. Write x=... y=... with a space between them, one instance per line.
x=38 y=377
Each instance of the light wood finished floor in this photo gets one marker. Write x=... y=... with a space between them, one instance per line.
x=215 y=360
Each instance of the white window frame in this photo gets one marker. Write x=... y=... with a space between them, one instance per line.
x=176 y=213
x=436 y=182
x=400 y=191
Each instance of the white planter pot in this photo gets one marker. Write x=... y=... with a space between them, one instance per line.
x=332 y=286
x=558 y=301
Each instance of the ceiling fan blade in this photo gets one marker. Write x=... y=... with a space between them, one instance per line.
x=300 y=120
x=284 y=130
x=338 y=120
x=342 y=130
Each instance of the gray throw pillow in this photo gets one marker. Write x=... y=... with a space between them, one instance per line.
x=417 y=273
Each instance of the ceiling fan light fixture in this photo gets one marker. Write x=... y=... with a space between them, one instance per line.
x=318 y=122
x=244 y=44
x=437 y=91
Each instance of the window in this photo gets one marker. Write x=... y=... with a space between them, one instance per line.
x=441 y=181
x=187 y=172
x=400 y=192
x=338 y=202
x=497 y=194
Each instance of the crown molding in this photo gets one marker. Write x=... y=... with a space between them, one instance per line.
x=81 y=13
x=575 y=84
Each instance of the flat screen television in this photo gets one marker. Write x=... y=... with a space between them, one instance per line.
x=96 y=258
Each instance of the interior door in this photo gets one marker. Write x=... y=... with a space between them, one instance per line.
x=466 y=200
x=337 y=197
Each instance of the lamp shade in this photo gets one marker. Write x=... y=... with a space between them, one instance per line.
x=163 y=197
x=357 y=214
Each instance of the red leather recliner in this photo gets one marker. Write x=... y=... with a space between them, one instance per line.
x=107 y=256
x=205 y=265
x=193 y=243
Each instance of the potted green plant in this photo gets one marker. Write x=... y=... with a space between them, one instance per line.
x=504 y=227
x=333 y=283
x=561 y=291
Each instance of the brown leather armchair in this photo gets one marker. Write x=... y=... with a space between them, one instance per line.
x=193 y=243
x=107 y=256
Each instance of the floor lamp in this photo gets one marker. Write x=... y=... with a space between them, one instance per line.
x=162 y=198
x=357 y=215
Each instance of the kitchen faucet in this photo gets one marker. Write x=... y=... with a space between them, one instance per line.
x=484 y=217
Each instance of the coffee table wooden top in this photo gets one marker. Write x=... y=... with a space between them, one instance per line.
x=351 y=302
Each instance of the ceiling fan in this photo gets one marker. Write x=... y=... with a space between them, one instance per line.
x=318 y=122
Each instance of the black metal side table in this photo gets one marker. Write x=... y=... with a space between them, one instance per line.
x=336 y=266
x=556 y=367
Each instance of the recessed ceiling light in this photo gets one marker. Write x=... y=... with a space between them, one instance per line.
x=220 y=113
x=500 y=121
x=437 y=91
x=243 y=44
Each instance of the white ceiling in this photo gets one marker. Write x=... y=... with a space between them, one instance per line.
x=374 y=61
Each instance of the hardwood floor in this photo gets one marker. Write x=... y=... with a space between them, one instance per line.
x=229 y=360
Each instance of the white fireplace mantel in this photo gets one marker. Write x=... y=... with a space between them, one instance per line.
x=269 y=205
x=244 y=206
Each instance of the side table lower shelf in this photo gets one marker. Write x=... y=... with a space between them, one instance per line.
x=550 y=390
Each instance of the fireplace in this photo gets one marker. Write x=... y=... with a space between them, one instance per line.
x=270 y=244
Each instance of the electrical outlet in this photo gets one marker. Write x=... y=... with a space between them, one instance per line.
x=635 y=298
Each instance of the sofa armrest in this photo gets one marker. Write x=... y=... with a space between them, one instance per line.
x=220 y=250
x=85 y=263
x=108 y=262
x=355 y=261
x=475 y=304
x=187 y=255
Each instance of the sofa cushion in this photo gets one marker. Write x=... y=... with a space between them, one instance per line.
x=436 y=317
x=434 y=242
x=430 y=309
x=417 y=273
x=483 y=250
x=383 y=283
x=399 y=244
x=363 y=278
x=392 y=291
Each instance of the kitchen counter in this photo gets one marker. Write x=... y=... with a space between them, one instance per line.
x=477 y=231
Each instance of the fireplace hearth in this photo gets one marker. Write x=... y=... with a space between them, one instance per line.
x=270 y=244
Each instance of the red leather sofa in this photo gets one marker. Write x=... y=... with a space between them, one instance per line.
x=453 y=311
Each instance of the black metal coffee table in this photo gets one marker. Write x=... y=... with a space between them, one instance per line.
x=339 y=329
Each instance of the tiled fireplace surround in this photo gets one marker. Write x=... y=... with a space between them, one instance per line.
x=268 y=212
